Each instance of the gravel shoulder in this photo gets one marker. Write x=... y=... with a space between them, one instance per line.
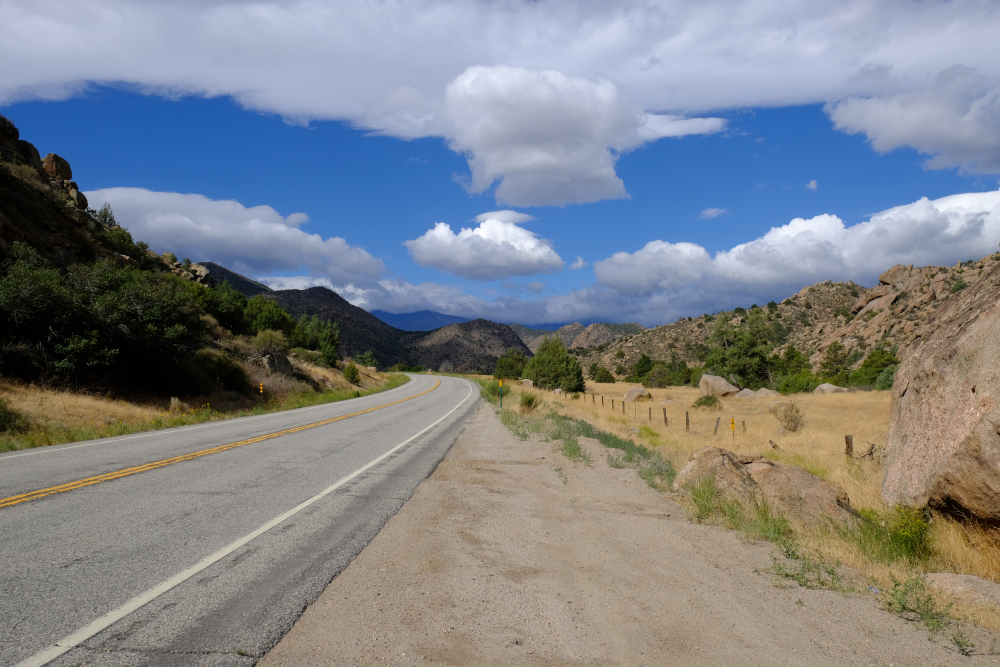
x=510 y=554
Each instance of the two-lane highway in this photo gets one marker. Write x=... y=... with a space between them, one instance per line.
x=202 y=545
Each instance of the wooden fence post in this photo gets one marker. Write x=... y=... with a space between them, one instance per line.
x=687 y=421
x=744 y=427
x=602 y=400
x=717 y=421
x=612 y=404
x=651 y=414
x=664 y=416
x=849 y=446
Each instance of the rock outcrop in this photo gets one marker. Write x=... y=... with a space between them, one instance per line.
x=716 y=386
x=638 y=394
x=944 y=432
x=804 y=497
x=827 y=388
x=967 y=587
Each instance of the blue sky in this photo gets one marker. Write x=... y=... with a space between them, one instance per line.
x=635 y=167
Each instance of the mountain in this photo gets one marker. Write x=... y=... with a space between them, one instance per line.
x=600 y=333
x=464 y=347
x=422 y=320
x=248 y=288
x=897 y=312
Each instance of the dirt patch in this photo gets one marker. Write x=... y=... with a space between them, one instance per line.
x=510 y=554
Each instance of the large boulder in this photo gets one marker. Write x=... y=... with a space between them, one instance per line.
x=638 y=394
x=967 y=587
x=713 y=384
x=527 y=383
x=802 y=496
x=764 y=392
x=944 y=427
x=277 y=363
x=745 y=393
x=56 y=167
x=827 y=388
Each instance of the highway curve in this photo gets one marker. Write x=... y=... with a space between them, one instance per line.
x=202 y=545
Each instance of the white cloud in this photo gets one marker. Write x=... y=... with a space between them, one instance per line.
x=619 y=74
x=577 y=264
x=549 y=138
x=710 y=213
x=802 y=252
x=497 y=248
x=956 y=120
x=812 y=185
x=253 y=241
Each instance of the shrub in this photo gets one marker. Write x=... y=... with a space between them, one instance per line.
x=801 y=382
x=227 y=306
x=885 y=379
x=12 y=421
x=269 y=342
x=871 y=369
x=788 y=415
x=592 y=371
x=552 y=367
x=603 y=375
x=695 y=379
x=120 y=240
x=210 y=367
x=312 y=333
x=659 y=376
x=351 y=373
x=366 y=358
x=959 y=284
x=263 y=314
x=709 y=402
x=529 y=402
x=510 y=365
x=492 y=391
x=898 y=534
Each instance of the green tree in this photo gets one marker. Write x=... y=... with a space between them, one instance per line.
x=592 y=371
x=510 y=365
x=312 y=333
x=366 y=358
x=351 y=373
x=878 y=360
x=228 y=307
x=641 y=367
x=741 y=353
x=834 y=366
x=603 y=375
x=262 y=313
x=552 y=367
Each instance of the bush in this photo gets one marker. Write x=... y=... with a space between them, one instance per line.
x=709 y=402
x=227 y=306
x=603 y=375
x=871 y=369
x=801 y=382
x=312 y=333
x=351 y=373
x=269 y=342
x=959 y=284
x=366 y=358
x=529 y=402
x=898 y=534
x=263 y=314
x=12 y=421
x=211 y=367
x=510 y=365
x=492 y=391
x=120 y=240
x=788 y=415
x=885 y=379
x=552 y=367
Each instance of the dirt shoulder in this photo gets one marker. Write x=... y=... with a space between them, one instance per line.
x=510 y=554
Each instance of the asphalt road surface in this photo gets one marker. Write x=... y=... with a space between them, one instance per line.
x=201 y=552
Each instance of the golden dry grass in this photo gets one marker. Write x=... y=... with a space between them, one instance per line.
x=818 y=446
x=65 y=408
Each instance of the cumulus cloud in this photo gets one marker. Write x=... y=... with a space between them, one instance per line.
x=497 y=248
x=253 y=241
x=942 y=231
x=549 y=138
x=710 y=213
x=812 y=185
x=619 y=74
x=956 y=120
x=577 y=264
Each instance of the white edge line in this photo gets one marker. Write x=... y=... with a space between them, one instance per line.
x=69 y=642
x=170 y=430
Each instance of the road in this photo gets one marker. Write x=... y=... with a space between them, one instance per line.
x=199 y=553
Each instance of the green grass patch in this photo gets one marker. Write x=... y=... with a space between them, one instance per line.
x=758 y=521
x=41 y=435
x=709 y=402
x=572 y=450
x=808 y=571
x=897 y=534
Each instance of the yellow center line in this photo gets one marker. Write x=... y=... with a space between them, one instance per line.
x=89 y=481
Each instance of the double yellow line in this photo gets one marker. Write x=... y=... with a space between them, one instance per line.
x=90 y=481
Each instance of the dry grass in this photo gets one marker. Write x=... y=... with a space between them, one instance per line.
x=59 y=416
x=817 y=446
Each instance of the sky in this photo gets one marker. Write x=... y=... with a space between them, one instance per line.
x=531 y=162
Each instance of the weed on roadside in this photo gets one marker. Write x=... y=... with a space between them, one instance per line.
x=571 y=449
x=914 y=598
x=758 y=520
x=814 y=572
x=897 y=534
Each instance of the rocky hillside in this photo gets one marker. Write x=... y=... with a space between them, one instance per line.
x=465 y=347
x=577 y=335
x=218 y=274
x=41 y=205
x=897 y=312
